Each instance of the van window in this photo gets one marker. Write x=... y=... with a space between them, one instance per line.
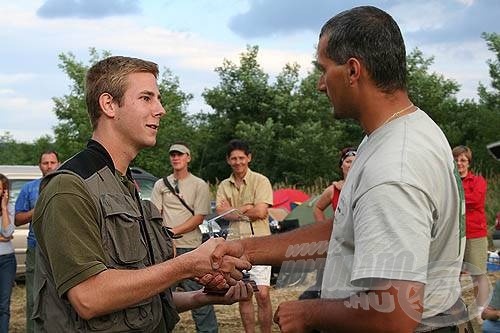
x=15 y=188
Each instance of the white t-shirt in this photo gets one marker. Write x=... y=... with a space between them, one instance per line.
x=400 y=215
x=196 y=194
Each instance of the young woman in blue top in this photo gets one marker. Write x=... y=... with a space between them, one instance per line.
x=7 y=258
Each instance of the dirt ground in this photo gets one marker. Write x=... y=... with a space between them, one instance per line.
x=227 y=316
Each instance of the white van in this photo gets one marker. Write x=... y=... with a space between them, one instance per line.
x=18 y=176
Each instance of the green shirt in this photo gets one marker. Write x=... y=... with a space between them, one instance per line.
x=68 y=231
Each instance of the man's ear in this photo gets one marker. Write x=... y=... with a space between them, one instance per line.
x=107 y=104
x=249 y=157
x=354 y=70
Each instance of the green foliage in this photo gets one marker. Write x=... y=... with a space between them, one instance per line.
x=491 y=98
x=287 y=122
x=492 y=202
x=430 y=91
x=464 y=122
x=14 y=153
x=74 y=128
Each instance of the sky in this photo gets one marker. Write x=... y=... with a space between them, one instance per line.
x=193 y=37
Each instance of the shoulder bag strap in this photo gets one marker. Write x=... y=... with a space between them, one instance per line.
x=171 y=188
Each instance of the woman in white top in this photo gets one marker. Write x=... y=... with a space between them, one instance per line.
x=7 y=257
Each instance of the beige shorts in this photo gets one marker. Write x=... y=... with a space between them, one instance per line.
x=476 y=254
x=261 y=275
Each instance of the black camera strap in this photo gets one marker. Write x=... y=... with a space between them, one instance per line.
x=171 y=188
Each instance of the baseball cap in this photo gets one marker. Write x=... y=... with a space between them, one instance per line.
x=180 y=148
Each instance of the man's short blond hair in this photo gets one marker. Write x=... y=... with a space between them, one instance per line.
x=110 y=76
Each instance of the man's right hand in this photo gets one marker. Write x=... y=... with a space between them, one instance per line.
x=230 y=266
x=226 y=250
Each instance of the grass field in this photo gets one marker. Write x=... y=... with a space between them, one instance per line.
x=227 y=316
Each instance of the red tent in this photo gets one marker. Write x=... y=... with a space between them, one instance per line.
x=285 y=197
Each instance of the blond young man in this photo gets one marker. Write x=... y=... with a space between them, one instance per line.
x=105 y=258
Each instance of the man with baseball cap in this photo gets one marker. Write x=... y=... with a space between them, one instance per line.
x=184 y=200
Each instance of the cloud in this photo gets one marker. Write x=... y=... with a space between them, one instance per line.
x=464 y=62
x=425 y=20
x=267 y=18
x=446 y=21
x=466 y=2
x=15 y=78
x=173 y=49
x=88 y=8
x=26 y=118
x=6 y=92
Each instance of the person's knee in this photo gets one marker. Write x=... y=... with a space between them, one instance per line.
x=263 y=296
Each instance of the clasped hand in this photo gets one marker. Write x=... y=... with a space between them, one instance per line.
x=219 y=275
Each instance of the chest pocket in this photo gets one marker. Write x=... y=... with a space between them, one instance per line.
x=121 y=232
x=161 y=241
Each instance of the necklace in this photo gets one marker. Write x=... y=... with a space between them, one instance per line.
x=396 y=114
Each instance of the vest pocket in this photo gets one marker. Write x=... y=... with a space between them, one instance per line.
x=123 y=231
x=158 y=232
x=37 y=301
x=141 y=315
x=103 y=322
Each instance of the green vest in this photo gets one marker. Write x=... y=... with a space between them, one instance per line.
x=133 y=237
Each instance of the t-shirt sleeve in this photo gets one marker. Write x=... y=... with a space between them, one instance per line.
x=392 y=229
x=264 y=191
x=202 y=200
x=156 y=196
x=22 y=202
x=68 y=232
x=7 y=232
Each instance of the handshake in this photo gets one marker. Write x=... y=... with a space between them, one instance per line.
x=218 y=264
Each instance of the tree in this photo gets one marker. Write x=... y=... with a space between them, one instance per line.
x=491 y=98
x=14 y=153
x=74 y=128
x=242 y=96
x=286 y=120
x=463 y=122
x=430 y=91
x=288 y=123
x=488 y=121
